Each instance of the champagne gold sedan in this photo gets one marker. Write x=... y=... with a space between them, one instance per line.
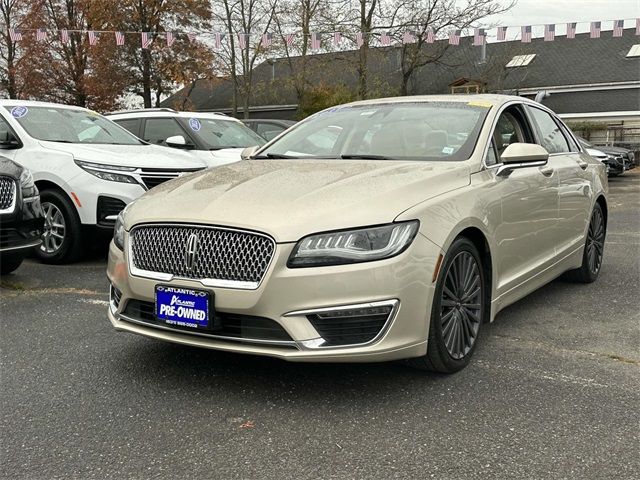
x=373 y=231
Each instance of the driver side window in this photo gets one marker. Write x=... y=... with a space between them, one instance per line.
x=509 y=129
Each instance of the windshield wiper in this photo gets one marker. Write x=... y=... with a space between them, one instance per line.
x=364 y=156
x=274 y=155
x=61 y=141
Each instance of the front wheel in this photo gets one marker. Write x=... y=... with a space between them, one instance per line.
x=61 y=237
x=593 y=249
x=458 y=310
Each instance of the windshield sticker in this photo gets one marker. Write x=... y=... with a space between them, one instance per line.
x=194 y=123
x=448 y=150
x=479 y=103
x=19 y=112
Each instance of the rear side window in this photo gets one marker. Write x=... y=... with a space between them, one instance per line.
x=131 y=124
x=551 y=137
x=269 y=130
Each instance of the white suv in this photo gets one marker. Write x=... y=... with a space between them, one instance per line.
x=86 y=167
x=213 y=137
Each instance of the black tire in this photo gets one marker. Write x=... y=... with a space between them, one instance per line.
x=9 y=262
x=442 y=356
x=71 y=247
x=593 y=249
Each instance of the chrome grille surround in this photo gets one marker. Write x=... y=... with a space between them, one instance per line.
x=226 y=257
x=7 y=195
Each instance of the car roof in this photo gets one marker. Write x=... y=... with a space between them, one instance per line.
x=33 y=103
x=166 y=112
x=487 y=98
x=275 y=120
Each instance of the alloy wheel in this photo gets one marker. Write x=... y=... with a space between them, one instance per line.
x=461 y=305
x=54 y=228
x=595 y=241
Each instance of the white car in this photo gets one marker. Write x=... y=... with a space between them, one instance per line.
x=213 y=137
x=86 y=167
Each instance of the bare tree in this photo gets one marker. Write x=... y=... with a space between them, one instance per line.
x=12 y=16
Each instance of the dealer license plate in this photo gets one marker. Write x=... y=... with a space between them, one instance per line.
x=182 y=307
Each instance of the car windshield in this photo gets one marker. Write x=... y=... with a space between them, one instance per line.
x=399 y=131
x=70 y=126
x=218 y=134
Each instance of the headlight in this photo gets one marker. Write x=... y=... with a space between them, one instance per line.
x=27 y=185
x=108 y=172
x=353 y=246
x=118 y=231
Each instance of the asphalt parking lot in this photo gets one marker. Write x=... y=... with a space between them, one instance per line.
x=553 y=391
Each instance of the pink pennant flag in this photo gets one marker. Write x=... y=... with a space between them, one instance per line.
x=526 y=34
x=594 y=31
x=64 y=36
x=41 y=34
x=15 y=34
x=502 y=33
x=337 y=39
x=618 y=28
x=385 y=39
x=359 y=39
x=145 y=40
x=243 y=39
x=431 y=36
x=571 y=30
x=170 y=39
x=408 y=37
x=637 y=26
x=315 y=41
x=549 y=32
x=119 y=38
x=454 y=37
x=93 y=38
x=217 y=39
x=479 y=37
x=267 y=39
x=289 y=39
x=191 y=37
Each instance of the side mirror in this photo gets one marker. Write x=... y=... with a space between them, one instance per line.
x=522 y=155
x=177 y=141
x=8 y=141
x=249 y=152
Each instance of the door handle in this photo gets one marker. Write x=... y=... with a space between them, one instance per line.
x=582 y=164
x=546 y=171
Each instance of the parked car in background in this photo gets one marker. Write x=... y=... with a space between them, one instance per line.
x=378 y=230
x=21 y=216
x=212 y=137
x=268 y=128
x=86 y=167
x=617 y=159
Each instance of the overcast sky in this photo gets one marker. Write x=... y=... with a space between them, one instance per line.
x=531 y=12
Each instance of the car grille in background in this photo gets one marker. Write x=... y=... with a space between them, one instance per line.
x=7 y=193
x=228 y=325
x=350 y=326
x=227 y=255
x=108 y=207
x=152 y=177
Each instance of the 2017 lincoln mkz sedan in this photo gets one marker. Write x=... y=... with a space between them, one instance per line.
x=378 y=230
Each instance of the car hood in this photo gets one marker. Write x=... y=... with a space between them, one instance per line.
x=614 y=150
x=289 y=199
x=144 y=156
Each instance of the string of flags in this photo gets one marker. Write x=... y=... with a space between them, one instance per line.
x=266 y=40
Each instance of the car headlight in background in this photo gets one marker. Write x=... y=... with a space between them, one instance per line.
x=118 y=231
x=353 y=246
x=112 y=173
x=27 y=184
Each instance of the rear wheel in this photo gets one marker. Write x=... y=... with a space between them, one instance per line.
x=61 y=238
x=593 y=249
x=457 y=313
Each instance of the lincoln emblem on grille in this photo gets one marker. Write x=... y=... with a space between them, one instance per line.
x=192 y=251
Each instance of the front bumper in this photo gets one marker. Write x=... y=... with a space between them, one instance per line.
x=22 y=229
x=286 y=296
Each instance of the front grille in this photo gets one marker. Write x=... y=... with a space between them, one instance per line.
x=350 y=326
x=220 y=254
x=108 y=207
x=152 y=177
x=116 y=296
x=7 y=193
x=229 y=325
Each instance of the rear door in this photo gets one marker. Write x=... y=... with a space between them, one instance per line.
x=574 y=189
